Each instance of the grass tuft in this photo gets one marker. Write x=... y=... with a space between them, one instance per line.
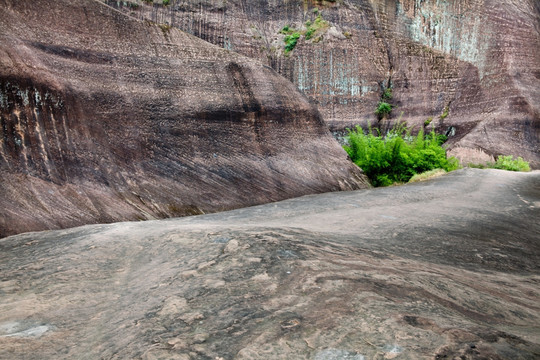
x=426 y=175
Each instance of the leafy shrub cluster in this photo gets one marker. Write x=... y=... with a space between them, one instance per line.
x=383 y=109
x=505 y=163
x=508 y=163
x=292 y=35
x=290 y=41
x=398 y=156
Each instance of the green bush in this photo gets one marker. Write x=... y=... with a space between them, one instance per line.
x=309 y=33
x=290 y=41
x=508 y=163
x=383 y=109
x=398 y=156
x=166 y=2
x=504 y=163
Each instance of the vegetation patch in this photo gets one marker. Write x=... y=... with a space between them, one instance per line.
x=445 y=113
x=505 y=163
x=383 y=109
x=397 y=156
x=319 y=25
x=290 y=41
x=431 y=174
x=314 y=28
x=387 y=94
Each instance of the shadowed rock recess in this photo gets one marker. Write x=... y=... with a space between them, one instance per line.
x=446 y=269
x=106 y=118
x=471 y=66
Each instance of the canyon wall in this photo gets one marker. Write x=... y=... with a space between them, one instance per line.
x=106 y=118
x=469 y=68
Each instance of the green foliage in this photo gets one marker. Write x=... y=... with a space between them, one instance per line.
x=292 y=35
x=383 y=109
x=398 y=156
x=309 y=33
x=505 y=163
x=286 y=30
x=290 y=41
x=387 y=94
x=312 y=28
x=445 y=113
x=428 y=121
x=508 y=163
x=166 y=2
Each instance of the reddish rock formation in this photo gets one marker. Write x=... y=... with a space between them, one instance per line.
x=107 y=118
x=471 y=66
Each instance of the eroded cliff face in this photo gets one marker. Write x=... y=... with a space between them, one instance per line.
x=107 y=118
x=473 y=67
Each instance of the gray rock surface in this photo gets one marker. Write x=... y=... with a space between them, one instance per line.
x=443 y=269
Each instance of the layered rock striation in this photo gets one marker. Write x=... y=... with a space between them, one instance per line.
x=469 y=68
x=108 y=118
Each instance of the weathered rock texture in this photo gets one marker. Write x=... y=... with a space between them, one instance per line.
x=107 y=118
x=412 y=272
x=475 y=62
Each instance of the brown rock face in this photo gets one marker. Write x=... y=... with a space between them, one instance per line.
x=107 y=118
x=471 y=66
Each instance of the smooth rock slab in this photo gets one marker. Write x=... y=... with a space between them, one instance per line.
x=450 y=270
